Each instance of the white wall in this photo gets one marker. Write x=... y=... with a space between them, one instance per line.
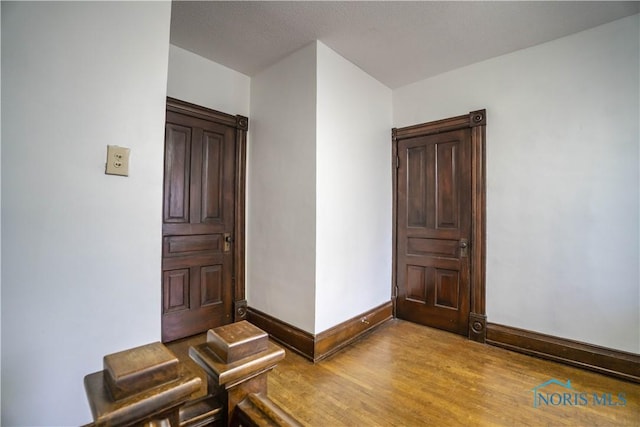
x=200 y=81
x=319 y=191
x=80 y=249
x=562 y=180
x=354 y=194
x=281 y=181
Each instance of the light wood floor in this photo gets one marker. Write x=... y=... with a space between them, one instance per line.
x=404 y=374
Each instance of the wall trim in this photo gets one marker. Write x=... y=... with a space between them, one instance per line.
x=343 y=334
x=603 y=360
x=316 y=347
x=477 y=327
x=288 y=335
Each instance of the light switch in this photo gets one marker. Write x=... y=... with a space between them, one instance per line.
x=117 y=160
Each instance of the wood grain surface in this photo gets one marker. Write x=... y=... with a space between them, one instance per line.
x=404 y=374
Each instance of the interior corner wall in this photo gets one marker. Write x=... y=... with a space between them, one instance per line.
x=281 y=190
x=562 y=180
x=200 y=81
x=354 y=194
x=81 y=250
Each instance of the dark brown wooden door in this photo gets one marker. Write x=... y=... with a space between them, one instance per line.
x=198 y=225
x=434 y=229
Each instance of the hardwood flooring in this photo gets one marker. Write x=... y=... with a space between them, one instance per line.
x=405 y=374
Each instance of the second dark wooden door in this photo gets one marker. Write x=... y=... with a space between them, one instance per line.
x=198 y=225
x=433 y=230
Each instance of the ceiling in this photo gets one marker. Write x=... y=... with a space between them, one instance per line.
x=396 y=42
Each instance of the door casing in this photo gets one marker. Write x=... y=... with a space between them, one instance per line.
x=477 y=122
x=241 y=125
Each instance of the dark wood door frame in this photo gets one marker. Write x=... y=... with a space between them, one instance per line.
x=477 y=121
x=241 y=124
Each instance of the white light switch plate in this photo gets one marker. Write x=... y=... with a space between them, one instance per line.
x=117 y=160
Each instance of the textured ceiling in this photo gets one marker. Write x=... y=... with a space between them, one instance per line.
x=395 y=42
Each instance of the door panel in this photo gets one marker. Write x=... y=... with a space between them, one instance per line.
x=177 y=173
x=447 y=209
x=211 y=285
x=199 y=198
x=176 y=290
x=447 y=287
x=211 y=169
x=433 y=222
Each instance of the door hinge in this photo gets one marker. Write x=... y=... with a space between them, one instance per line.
x=397 y=162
